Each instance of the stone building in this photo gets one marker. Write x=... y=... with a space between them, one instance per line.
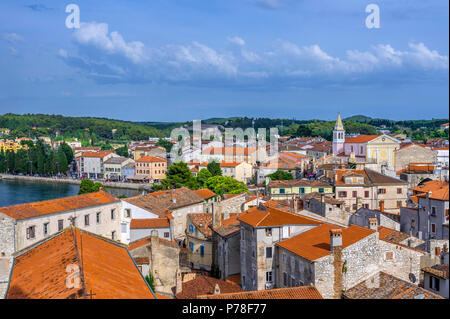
x=157 y=256
x=369 y=189
x=279 y=190
x=26 y=224
x=413 y=153
x=226 y=239
x=191 y=288
x=430 y=219
x=326 y=206
x=261 y=228
x=199 y=241
x=361 y=218
x=328 y=257
x=436 y=279
x=209 y=197
x=141 y=228
x=174 y=204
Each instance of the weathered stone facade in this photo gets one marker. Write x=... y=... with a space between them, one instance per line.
x=413 y=154
x=7 y=248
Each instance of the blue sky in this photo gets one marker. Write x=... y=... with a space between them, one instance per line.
x=179 y=60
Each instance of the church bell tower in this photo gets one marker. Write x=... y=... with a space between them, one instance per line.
x=338 y=137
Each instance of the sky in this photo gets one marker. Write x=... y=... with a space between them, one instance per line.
x=180 y=60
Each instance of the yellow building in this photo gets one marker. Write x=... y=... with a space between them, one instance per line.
x=8 y=145
x=287 y=189
x=199 y=240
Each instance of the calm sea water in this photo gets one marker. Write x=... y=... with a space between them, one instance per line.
x=18 y=192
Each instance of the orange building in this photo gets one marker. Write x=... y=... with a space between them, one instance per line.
x=153 y=167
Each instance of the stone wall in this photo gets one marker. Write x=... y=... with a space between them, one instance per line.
x=6 y=251
x=413 y=154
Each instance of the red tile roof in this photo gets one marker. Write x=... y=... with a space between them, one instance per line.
x=315 y=243
x=52 y=206
x=149 y=223
x=302 y=292
x=205 y=193
x=107 y=270
x=97 y=154
x=440 y=194
x=265 y=216
x=146 y=241
x=151 y=159
x=361 y=138
x=203 y=285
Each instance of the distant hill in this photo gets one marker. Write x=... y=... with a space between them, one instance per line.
x=358 y=118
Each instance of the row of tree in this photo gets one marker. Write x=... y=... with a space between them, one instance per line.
x=37 y=159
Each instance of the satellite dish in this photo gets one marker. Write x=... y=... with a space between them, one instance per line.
x=412 y=278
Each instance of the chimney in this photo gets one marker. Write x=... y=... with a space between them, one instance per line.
x=295 y=204
x=381 y=205
x=336 y=250
x=179 y=281
x=373 y=224
x=216 y=215
x=335 y=239
x=216 y=289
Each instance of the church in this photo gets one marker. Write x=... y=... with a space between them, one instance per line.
x=374 y=151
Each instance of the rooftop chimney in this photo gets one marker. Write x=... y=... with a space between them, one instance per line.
x=179 y=286
x=335 y=239
x=216 y=289
x=373 y=223
x=381 y=205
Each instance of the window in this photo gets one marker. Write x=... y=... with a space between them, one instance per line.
x=321 y=190
x=382 y=191
x=362 y=150
x=302 y=190
x=166 y=234
x=191 y=246
x=284 y=258
x=202 y=250
x=285 y=279
x=98 y=217
x=268 y=252
x=389 y=255
x=113 y=214
x=366 y=194
x=73 y=221
x=399 y=190
x=45 y=229
x=128 y=213
x=191 y=228
x=434 y=283
x=282 y=190
x=124 y=228
x=268 y=276
x=342 y=194
x=354 y=207
x=31 y=232
x=268 y=232
x=433 y=211
x=355 y=194
x=86 y=220
x=113 y=235
x=60 y=224
x=433 y=228
x=399 y=203
x=413 y=223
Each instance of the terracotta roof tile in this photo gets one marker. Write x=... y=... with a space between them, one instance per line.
x=205 y=193
x=302 y=292
x=151 y=159
x=298 y=182
x=388 y=287
x=97 y=154
x=361 y=138
x=203 y=285
x=52 y=206
x=438 y=270
x=315 y=243
x=266 y=216
x=106 y=269
x=146 y=241
x=149 y=223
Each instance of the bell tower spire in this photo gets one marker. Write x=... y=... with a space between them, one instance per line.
x=338 y=136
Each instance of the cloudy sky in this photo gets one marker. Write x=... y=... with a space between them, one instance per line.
x=177 y=60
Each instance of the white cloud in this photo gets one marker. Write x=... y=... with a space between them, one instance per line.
x=12 y=38
x=118 y=60
x=97 y=34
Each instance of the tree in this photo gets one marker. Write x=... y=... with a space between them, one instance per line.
x=179 y=175
x=280 y=176
x=88 y=186
x=21 y=162
x=166 y=144
x=225 y=185
x=63 y=166
x=150 y=281
x=304 y=130
x=214 y=168
x=202 y=176
x=67 y=151
x=122 y=151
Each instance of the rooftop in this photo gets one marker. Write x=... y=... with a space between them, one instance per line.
x=361 y=138
x=384 y=286
x=440 y=271
x=151 y=159
x=204 y=285
x=205 y=193
x=266 y=216
x=149 y=223
x=370 y=177
x=315 y=243
x=146 y=241
x=107 y=270
x=298 y=182
x=302 y=292
x=59 y=205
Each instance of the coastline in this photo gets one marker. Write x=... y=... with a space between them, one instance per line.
x=73 y=181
